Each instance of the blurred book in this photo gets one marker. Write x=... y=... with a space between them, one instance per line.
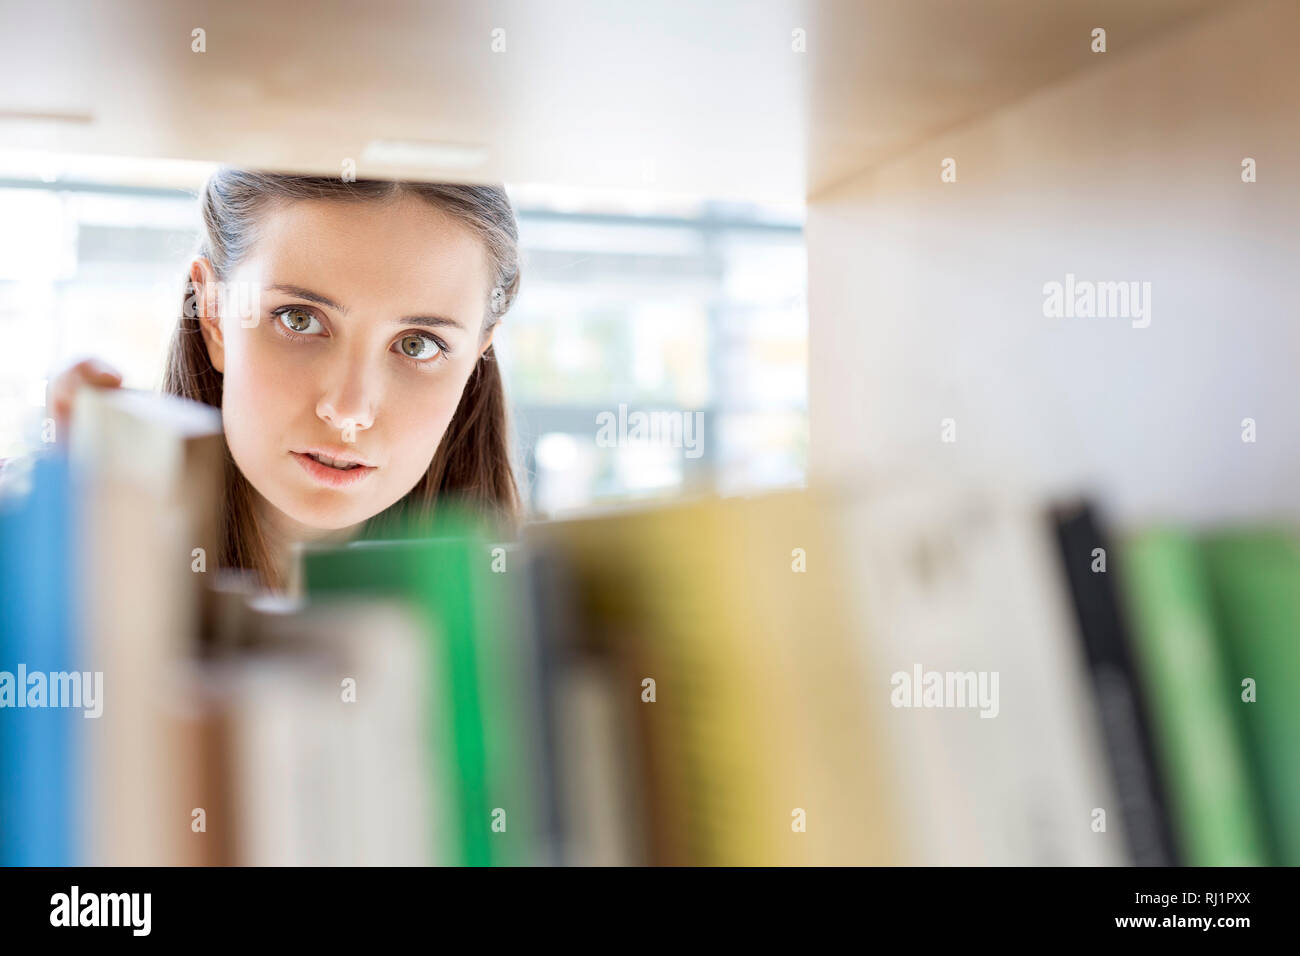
x=149 y=468
x=1255 y=580
x=324 y=740
x=1122 y=702
x=481 y=675
x=901 y=673
x=1213 y=796
x=44 y=691
x=995 y=740
x=736 y=675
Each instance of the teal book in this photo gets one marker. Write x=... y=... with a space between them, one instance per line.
x=1255 y=577
x=478 y=712
x=1193 y=694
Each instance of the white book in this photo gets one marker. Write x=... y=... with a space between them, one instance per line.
x=263 y=713
x=364 y=732
x=149 y=470
x=596 y=772
x=964 y=614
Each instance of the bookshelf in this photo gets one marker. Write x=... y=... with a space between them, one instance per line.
x=712 y=682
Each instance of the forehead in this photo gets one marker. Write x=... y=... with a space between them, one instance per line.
x=403 y=257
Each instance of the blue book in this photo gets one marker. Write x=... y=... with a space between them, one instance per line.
x=37 y=582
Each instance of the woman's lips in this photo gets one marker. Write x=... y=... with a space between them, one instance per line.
x=332 y=477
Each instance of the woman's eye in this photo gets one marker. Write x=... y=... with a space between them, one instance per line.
x=300 y=321
x=419 y=347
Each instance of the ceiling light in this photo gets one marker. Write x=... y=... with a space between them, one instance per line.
x=445 y=156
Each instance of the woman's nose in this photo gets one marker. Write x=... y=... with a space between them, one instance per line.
x=347 y=424
x=349 y=407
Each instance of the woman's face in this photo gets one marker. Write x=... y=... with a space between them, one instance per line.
x=366 y=327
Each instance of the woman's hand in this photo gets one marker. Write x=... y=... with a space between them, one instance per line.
x=63 y=388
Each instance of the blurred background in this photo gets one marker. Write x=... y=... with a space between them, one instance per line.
x=831 y=228
x=741 y=211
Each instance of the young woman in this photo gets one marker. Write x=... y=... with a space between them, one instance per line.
x=345 y=331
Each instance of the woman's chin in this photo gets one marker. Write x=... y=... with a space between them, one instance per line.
x=317 y=513
x=325 y=520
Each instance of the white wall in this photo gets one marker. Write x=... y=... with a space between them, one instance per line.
x=926 y=298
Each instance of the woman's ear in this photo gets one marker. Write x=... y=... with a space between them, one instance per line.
x=487 y=343
x=203 y=283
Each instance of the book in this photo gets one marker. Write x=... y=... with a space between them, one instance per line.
x=202 y=775
x=484 y=755
x=978 y=683
x=612 y=796
x=593 y=769
x=1089 y=563
x=364 y=686
x=150 y=469
x=549 y=612
x=41 y=667
x=1255 y=581
x=1215 y=807
x=733 y=678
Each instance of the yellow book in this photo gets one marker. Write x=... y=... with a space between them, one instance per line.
x=757 y=748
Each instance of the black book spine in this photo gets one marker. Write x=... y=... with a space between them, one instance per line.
x=1116 y=683
x=550 y=616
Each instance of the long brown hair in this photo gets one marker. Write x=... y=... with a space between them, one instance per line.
x=472 y=464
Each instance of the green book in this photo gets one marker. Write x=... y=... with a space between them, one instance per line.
x=1194 y=696
x=1255 y=577
x=485 y=803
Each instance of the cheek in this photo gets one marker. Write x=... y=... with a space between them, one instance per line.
x=416 y=415
x=257 y=398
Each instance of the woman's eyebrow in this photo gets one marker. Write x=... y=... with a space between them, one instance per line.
x=431 y=321
x=310 y=296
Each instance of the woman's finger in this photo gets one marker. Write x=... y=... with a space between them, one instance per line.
x=63 y=388
x=95 y=371
x=103 y=377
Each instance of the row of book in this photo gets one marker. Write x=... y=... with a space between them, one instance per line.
x=906 y=672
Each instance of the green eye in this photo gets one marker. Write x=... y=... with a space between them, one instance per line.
x=300 y=321
x=418 y=346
